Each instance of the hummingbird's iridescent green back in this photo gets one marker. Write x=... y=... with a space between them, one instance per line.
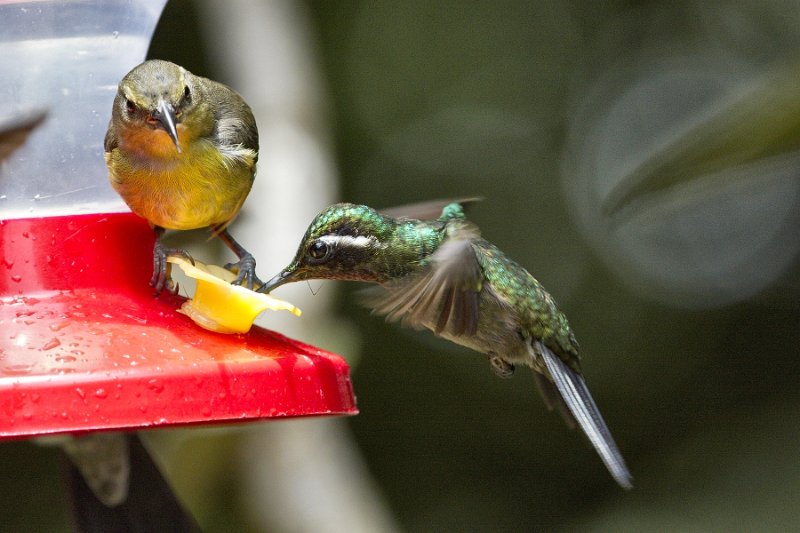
x=537 y=310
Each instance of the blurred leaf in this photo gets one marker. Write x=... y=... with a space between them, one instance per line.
x=756 y=121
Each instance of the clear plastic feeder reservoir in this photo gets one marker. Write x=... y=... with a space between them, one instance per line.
x=84 y=344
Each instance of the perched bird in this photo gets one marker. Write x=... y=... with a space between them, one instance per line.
x=441 y=275
x=181 y=150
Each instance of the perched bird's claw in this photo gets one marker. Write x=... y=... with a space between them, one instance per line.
x=502 y=368
x=161 y=268
x=245 y=270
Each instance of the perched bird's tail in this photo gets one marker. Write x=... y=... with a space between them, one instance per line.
x=575 y=395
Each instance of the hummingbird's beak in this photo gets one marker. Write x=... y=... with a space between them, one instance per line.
x=277 y=281
x=165 y=114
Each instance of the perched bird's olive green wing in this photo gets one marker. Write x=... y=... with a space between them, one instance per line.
x=234 y=124
x=425 y=210
x=444 y=296
x=15 y=130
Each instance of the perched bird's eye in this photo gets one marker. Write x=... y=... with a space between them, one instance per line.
x=130 y=106
x=318 y=251
x=187 y=95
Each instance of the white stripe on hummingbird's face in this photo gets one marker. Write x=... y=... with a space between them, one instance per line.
x=348 y=241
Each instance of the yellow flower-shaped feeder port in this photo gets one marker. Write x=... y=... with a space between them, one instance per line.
x=219 y=306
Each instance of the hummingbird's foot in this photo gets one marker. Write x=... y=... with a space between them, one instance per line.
x=245 y=270
x=161 y=268
x=502 y=368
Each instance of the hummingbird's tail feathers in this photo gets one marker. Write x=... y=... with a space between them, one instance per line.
x=552 y=398
x=425 y=210
x=581 y=404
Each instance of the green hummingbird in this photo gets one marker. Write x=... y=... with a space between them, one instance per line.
x=435 y=271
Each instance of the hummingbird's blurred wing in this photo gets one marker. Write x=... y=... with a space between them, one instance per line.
x=425 y=210
x=14 y=130
x=444 y=297
x=579 y=401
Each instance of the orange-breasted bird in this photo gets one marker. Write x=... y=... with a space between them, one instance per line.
x=181 y=150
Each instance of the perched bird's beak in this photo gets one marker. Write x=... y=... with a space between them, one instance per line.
x=165 y=114
x=277 y=281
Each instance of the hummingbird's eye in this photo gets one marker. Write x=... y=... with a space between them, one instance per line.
x=318 y=251
x=130 y=106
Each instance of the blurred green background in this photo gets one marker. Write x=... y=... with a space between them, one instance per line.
x=594 y=131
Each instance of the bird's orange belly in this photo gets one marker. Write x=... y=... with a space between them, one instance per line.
x=193 y=192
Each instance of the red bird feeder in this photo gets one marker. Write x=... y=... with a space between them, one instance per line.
x=84 y=345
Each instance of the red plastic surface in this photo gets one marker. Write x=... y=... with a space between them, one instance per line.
x=85 y=346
